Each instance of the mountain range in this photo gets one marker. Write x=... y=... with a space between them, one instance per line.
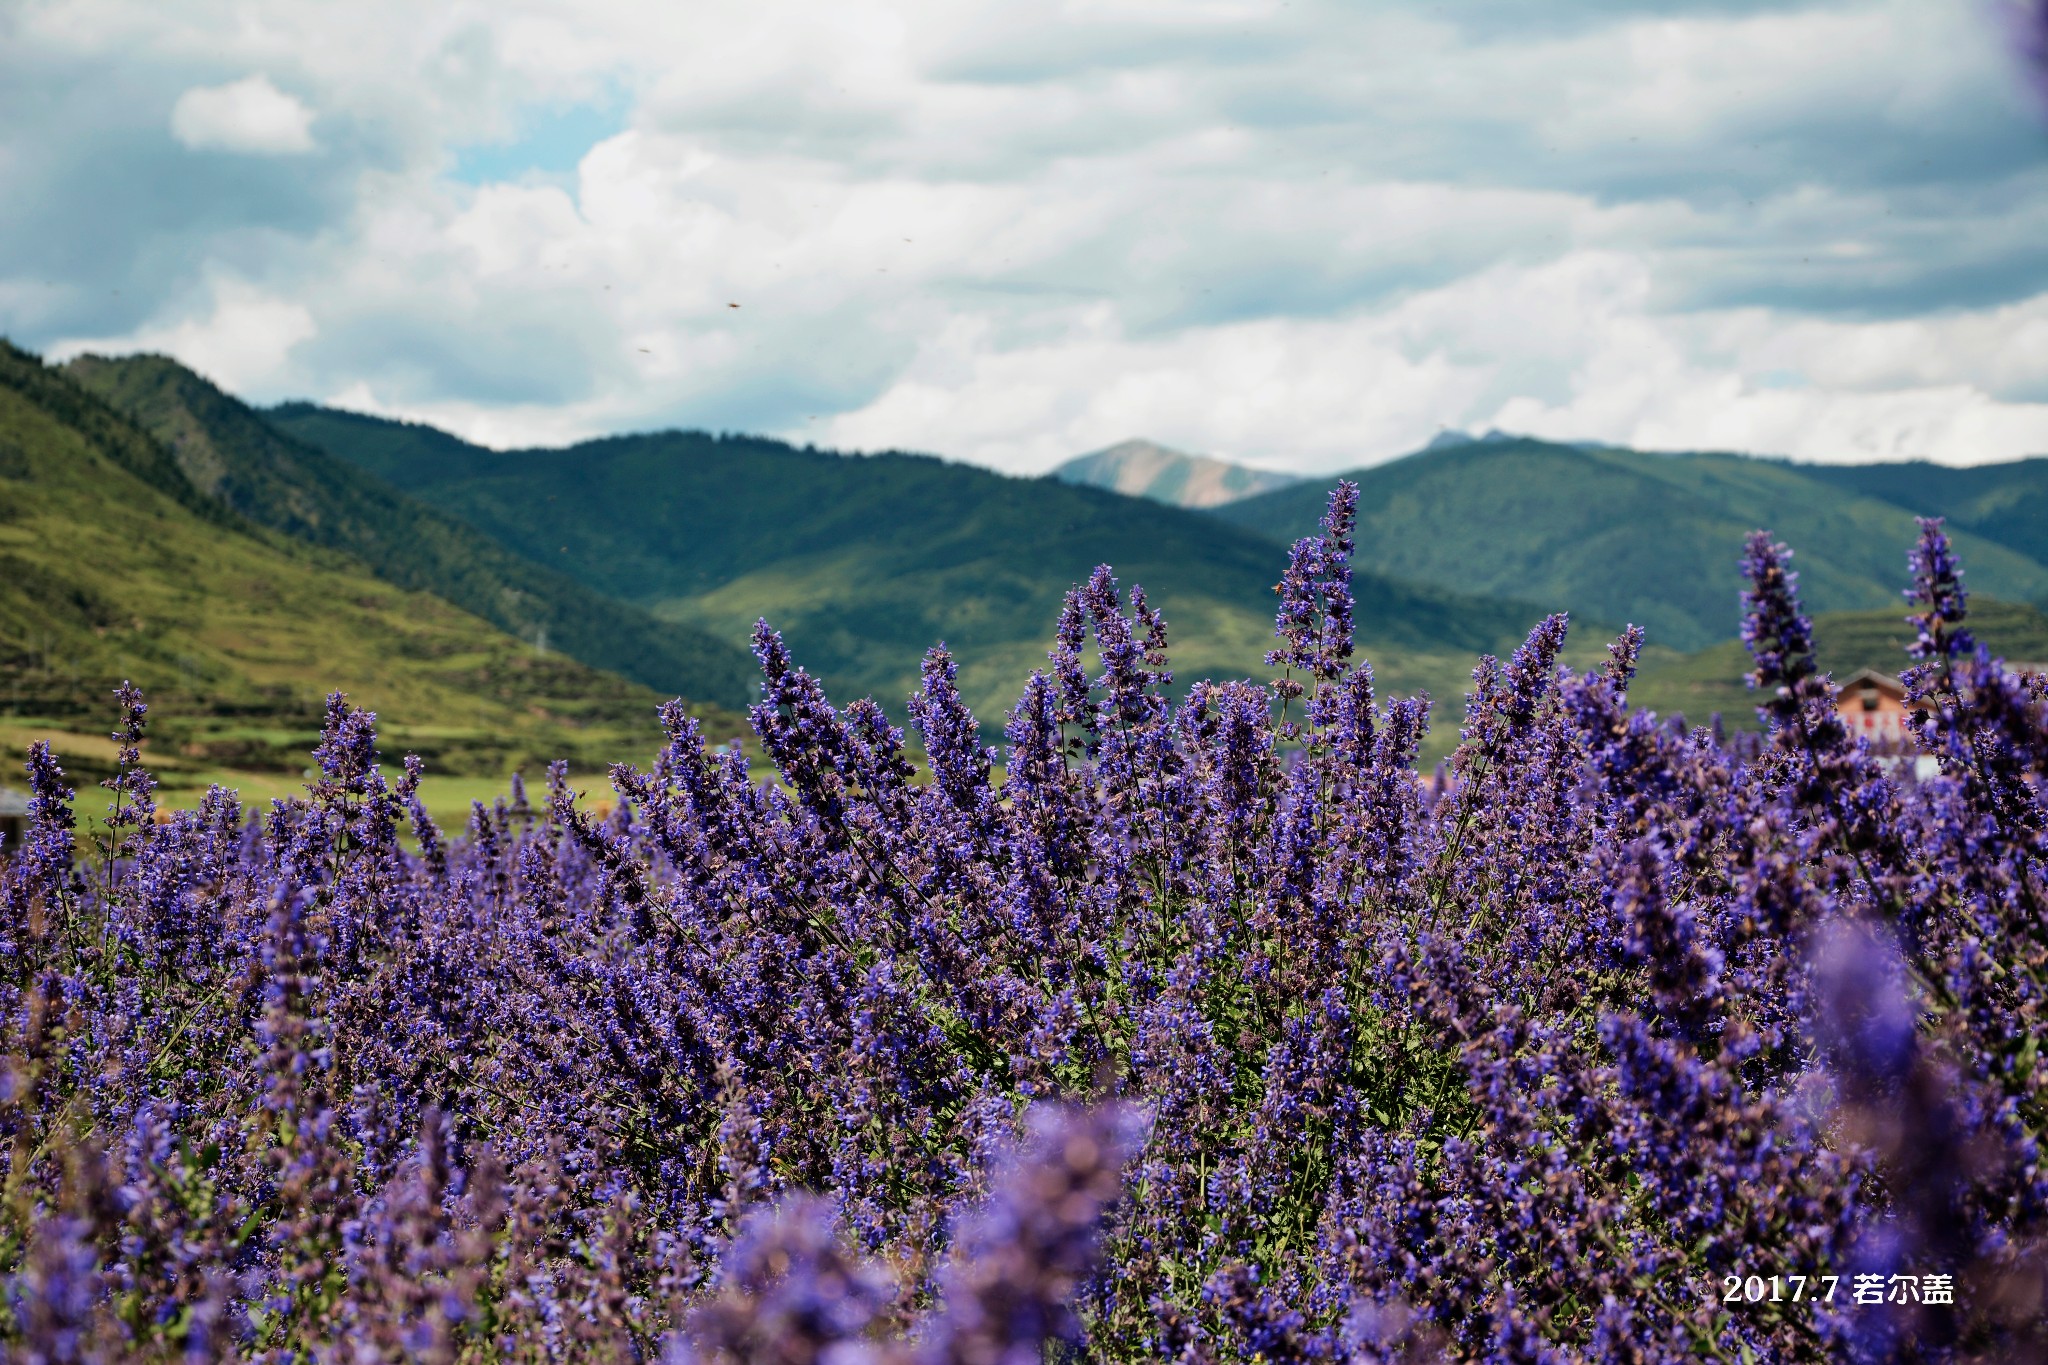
x=501 y=606
x=864 y=562
x=1145 y=469
x=1623 y=535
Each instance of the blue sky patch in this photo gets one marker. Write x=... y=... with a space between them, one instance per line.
x=550 y=142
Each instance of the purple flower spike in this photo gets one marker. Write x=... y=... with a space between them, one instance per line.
x=1024 y=1256
x=134 y=804
x=1775 y=630
x=1938 y=590
x=790 y=1292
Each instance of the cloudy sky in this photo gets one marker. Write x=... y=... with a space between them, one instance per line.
x=1305 y=234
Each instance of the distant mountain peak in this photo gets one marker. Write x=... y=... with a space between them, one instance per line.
x=1146 y=469
x=1451 y=436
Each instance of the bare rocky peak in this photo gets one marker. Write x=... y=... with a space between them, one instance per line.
x=1147 y=469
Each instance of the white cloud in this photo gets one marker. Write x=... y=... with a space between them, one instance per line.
x=1569 y=350
x=1304 y=234
x=248 y=115
x=243 y=341
x=1284 y=394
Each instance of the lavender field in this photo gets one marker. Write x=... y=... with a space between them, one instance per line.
x=1196 y=1030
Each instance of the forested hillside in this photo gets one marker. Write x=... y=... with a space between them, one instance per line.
x=866 y=561
x=232 y=455
x=1622 y=535
x=2005 y=502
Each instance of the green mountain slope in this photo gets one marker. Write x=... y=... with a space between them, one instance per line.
x=2006 y=503
x=230 y=454
x=864 y=562
x=1626 y=536
x=1700 y=684
x=112 y=565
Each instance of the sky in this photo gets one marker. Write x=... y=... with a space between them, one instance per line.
x=1303 y=235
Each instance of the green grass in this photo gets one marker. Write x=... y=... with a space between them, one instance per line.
x=447 y=799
